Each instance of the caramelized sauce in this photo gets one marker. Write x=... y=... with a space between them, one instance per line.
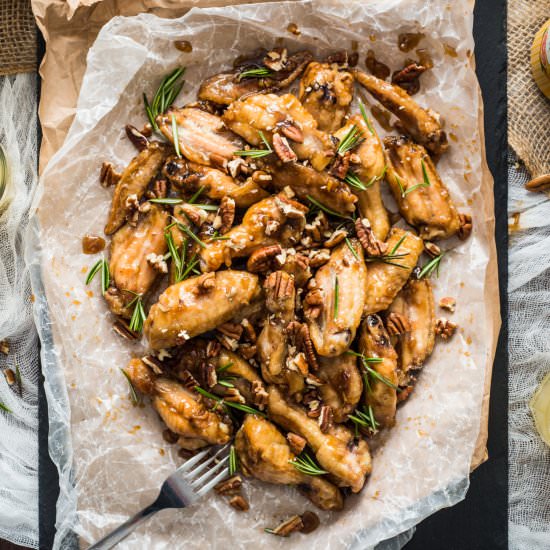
x=378 y=69
x=354 y=45
x=92 y=244
x=449 y=50
x=424 y=58
x=382 y=117
x=183 y=46
x=453 y=136
x=372 y=38
x=293 y=28
x=514 y=226
x=407 y=41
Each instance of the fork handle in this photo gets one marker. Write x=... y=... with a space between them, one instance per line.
x=114 y=537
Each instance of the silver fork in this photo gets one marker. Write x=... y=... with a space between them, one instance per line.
x=185 y=486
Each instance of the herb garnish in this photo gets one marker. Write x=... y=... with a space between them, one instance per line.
x=254 y=73
x=364 y=418
x=103 y=266
x=220 y=401
x=350 y=246
x=369 y=371
x=431 y=266
x=306 y=465
x=326 y=209
x=336 y=297
x=233 y=461
x=224 y=367
x=425 y=182
x=176 y=136
x=353 y=179
x=166 y=200
x=138 y=314
x=365 y=117
x=167 y=92
x=256 y=153
x=196 y=195
x=133 y=394
x=352 y=139
x=391 y=256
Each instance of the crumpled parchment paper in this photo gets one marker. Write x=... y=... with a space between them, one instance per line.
x=110 y=454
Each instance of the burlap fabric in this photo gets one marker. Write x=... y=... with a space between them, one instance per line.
x=17 y=37
x=528 y=108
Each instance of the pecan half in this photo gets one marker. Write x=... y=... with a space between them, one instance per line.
x=319 y=257
x=448 y=303
x=213 y=349
x=231 y=330
x=302 y=341
x=4 y=347
x=153 y=363
x=107 y=175
x=139 y=141
x=227 y=214
x=261 y=260
x=445 y=328
x=259 y=395
x=160 y=189
x=343 y=58
x=298 y=363
x=336 y=238
x=287 y=527
x=282 y=148
x=229 y=486
x=465 y=226
x=239 y=503
x=278 y=285
x=542 y=183
x=296 y=442
x=291 y=131
x=431 y=249
x=233 y=395
x=397 y=324
x=325 y=418
x=408 y=77
x=207 y=374
x=188 y=380
x=367 y=238
x=313 y=304
x=310 y=522
x=123 y=330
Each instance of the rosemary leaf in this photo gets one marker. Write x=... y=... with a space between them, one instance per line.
x=306 y=465
x=4 y=408
x=95 y=268
x=256 y=153
x=190 y=233
x=223 y=368
x=350 y=246
x=366 y=117
x=133 y=394
x=207 y=207
x=233 y=461
x=326 y=209
x=365 y=418
x=336 y=297
x=103 y=267
x=166 y=200
x=196 y=195
x=254 y=73
x=376 y=375
x=138 y=314
x=353 y=180
x=365 y=359
x=220 y=401
x=176 y=136
x=398 y=244
x=424 y=173
x=165 y=95
x=431 y=266
x=352 y=139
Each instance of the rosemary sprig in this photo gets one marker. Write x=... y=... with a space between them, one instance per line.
x=392 y=255
x=306 y=465
x=223 y=368
x=366 y=117
x=256 y=153
x=350 y=246
x=431 y=266
x=364 y=418
x=207 y=207
x=103 y=266
x=424 y=173
x=138 y=314
x=226 y=381
x=166 y=200
x=196 y=195
x=190 y=233
x=398 y=244
x=233 y=461
x=425 y=183
x=352 y=139
x=165 y=95
x=5 y=408
x=336 y=297
x=353 y=179
x=364 y=358
x=220 y=401
x=179 y=260
x=133 y=394
x=326 y=209
x=369 y=371
x=176 y=136
x=254 y=73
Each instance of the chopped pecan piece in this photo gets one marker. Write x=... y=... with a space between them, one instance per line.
x=319 y=257
x=368 y=240
x=431 y=249
x=287 y=527
x=397 y=324
x=107 y=175
x=249 y=330
x=227 y=214
x=10 y=377
x=261 y=260
x=318 y=227
x=206 y=283
x=188 y=380
x=259 y=395
x=465 y=226
x=4 y=347
x=213 y=349
x=296 y=442
x=123 y=330
x=157 y=261
x=310 y=522
x=153 y=363
x=445 y=328
x=291 y=131
x=313 y=304
x=404 y=393
x=230 y=486
x=325 y=418
x=336 y=238
x=282 y=148
x=408 y=77
x=448 y=303
x=340 y=166
x=248 y=351
x=137 y=138
x=302 y=341
x=208 y=376
x=159 y=189
x=343 y=58
x=232 y=330
x=239 y=503
x=233 y=395
x=542 y=183
x=227 y=342
x=299 y=363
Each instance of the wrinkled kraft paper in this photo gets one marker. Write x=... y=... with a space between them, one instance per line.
x=111 y=456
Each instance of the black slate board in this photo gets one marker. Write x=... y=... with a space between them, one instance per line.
x=480 y=521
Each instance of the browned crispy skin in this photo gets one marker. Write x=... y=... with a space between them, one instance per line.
x=374 y=341
x=190 y=177
x=134 y=181
x=270 y=114
x=182 y=410
x=306 y=181
x=415 y=303
x=343 y=385
x=203 y=137
x=421 y=124
x=337 y=451
x=264 y=453
x=342 y=285
x=129 y=267
x=370 y=171
x=187 y=309
x=429 y=208
x=326 y=92
x=385 y=280
x=276 y=219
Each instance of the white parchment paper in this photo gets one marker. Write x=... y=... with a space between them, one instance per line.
x=111 y=456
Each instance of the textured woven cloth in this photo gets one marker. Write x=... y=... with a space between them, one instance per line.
x=529 y=348
x=17 y=37
x=528 y=108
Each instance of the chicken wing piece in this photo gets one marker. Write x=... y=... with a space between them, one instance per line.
x=264 y=453
x=200 y=304
x=273 y=220
x=422 y=197
x=421 y=124
x=133 y=184
x=326 y=91
x=202 y=137
x=280 y=71
x=282 y=116
x=414 y=308
x=189 y=177
x=308 y=182
x=387 y=276
x=333 y=307
x=183 y=411
x=136 y=259
x=342 y=384
x=370 y=171
x=337 y=451
x=381 y=394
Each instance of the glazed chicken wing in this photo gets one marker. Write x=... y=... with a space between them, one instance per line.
x=333 y=307
x=414 y=308
x=202 y=137
x=133 y=183
x=282 y=116
x=273 y=220
x=370 y=171
x=326 y=91
x=381 y=394
x=421 y=124
x=264 y=453
x=200 y=304
x=386 y=277
x=342 y=384
x=182 y=410
x=337 y=451
x=136 y=259
x=189 y=177
x=422 y=197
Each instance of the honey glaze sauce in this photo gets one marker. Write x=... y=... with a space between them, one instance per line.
x=92 y=244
